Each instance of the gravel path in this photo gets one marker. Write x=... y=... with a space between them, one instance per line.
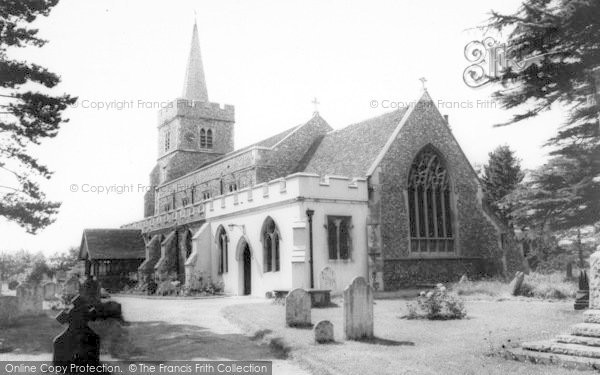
x=195 y=329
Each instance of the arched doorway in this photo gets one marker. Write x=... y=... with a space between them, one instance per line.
x=244 y=259
x=247 y=277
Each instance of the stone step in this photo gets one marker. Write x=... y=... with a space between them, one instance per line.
x=567 y=361
x=591 y=316
x=586 y=329
x=581 y=340
x=575 y=350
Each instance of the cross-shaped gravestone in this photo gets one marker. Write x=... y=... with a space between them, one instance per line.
x=78 y=343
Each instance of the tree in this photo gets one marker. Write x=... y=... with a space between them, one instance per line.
x=557 y=196
x=64 y=261
x=567 y=34
x=38 y=270
x=28 y=116
x=501 y=175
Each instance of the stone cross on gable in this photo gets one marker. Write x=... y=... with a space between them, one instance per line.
x=316 y=103
x=423 y=80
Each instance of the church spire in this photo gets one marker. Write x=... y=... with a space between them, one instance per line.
x=194 y=85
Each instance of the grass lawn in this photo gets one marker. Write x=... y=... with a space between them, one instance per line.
x=470 y=346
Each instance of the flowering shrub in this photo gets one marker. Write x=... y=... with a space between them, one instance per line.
x=437 y=304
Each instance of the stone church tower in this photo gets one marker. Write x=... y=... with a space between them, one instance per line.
x=191 y=130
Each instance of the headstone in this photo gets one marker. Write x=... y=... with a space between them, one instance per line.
x=297 y=308
x=50 y=290
x=30 y=299
x=327 y=279
x=90 y=291
x=569 y=270
x=515 y=284
x=71 y=287
x=78 y=343
x=594 y=279
x=8 y=309
x=582 y=298
x=324 y=332
x=358 y=310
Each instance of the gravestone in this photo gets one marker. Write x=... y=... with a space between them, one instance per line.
x=30 y=299
x=324 y=332
x=297 y=308
x=78 y=343
x=71 y=287
x=569 y=270
x=594 y=280
x=50 y=290
x=90 y=291
x=8 y=309
x=327 y=279
x=515 y=284
x=358 y=310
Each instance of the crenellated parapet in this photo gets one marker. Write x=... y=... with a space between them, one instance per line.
x=196 y=109
x=295 y=187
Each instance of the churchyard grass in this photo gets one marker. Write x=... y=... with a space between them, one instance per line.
x=474 y=345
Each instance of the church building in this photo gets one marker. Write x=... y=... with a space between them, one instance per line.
x=392 y=198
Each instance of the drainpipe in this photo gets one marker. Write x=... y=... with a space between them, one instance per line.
x=310 y=213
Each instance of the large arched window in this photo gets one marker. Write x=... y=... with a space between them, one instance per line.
x=270 y=239
x=222 y=243
x=429 y=204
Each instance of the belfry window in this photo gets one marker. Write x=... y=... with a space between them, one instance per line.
x=209 y=138
x=429 y=204
x=167 y=140
x=270 y=239
x=202 y=138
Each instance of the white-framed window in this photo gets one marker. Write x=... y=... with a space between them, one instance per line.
x=270 y=239
x=339 y=240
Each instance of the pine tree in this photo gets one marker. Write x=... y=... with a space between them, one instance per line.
x=564 y=192
x=501 y=176
x=27 y=116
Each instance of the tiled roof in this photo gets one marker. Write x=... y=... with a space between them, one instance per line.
x=350 y=151
x=114 y=243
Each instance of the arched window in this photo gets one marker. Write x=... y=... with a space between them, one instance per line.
x=222 y=243
x=209 y=138
x=188 y=244
x=202 y=138
x=270 y=238
x=429 y=204
x=167 y=140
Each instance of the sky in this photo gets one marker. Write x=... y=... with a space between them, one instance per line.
x=124 y=59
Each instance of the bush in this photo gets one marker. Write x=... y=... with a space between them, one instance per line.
x=13 y=284
x=437 y=304
x=548 y=286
